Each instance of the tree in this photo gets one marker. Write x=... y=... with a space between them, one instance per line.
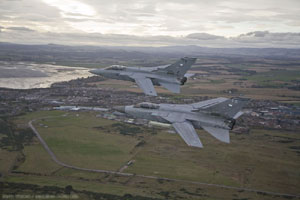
x=68 y=189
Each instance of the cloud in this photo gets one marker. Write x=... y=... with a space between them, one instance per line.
x=156 y=22
x=19 y=29
x=267 y=38
x=256 y=34
x=156 y=17
x=72 y=6
x=204 y=36
x=251 y=39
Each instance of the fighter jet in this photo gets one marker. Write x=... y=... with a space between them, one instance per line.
x=169 y=76
x=216 y=116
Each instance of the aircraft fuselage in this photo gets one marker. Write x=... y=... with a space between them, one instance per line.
x=127 y=72
x=197 y=118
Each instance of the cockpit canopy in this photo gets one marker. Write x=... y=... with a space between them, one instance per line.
x=115 y=67
x=147 y=105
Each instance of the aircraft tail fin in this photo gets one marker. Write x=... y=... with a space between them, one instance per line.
x=230 y=108
x=180 y=67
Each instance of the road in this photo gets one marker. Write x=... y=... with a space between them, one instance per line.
x=54 y=158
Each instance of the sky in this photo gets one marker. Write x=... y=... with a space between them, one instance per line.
x=210 y=23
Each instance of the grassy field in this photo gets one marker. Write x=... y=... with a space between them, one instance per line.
x=7 y=160
x=248 y=161
x=277 y=75
x=149 y=188
x=37 y=160
x=264 y=159
x=77 y=140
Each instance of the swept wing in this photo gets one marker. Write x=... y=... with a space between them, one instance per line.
x=187 y=132
x=145 y=84
x=184 y=128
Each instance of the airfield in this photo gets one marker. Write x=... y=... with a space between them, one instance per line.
x=151 y=162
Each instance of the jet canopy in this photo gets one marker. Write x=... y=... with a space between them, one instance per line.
x=115 y=67
x=147 y=105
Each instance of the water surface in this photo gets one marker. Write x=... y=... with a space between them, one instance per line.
x=26 y=75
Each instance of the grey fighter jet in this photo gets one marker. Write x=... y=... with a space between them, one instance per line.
x=216 y=116
x=169 y=76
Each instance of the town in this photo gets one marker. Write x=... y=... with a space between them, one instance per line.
x=81 y=94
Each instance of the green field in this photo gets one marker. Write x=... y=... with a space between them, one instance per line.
x=275 y=78
x=248 y=161
x=277 y=75
x=76 y=140
x=263 y=160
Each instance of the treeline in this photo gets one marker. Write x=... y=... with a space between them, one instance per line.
x=125 y=129
x=14 y=139
x=15 y=189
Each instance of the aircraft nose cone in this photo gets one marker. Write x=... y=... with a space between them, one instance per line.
x=119 y=109
x=93 y=71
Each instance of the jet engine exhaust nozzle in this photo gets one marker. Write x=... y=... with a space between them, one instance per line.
x=120 y=109
x=231 y=123
x=183 y=80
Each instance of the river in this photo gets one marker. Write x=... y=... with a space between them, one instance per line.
x=27 y=75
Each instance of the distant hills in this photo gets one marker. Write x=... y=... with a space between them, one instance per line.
x=96 y=54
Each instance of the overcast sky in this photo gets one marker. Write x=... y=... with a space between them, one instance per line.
x=212 y=23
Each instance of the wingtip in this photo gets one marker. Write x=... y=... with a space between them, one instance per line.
x=226 y=141
x=190 y=58
x=197 y=146
x=150 y=94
